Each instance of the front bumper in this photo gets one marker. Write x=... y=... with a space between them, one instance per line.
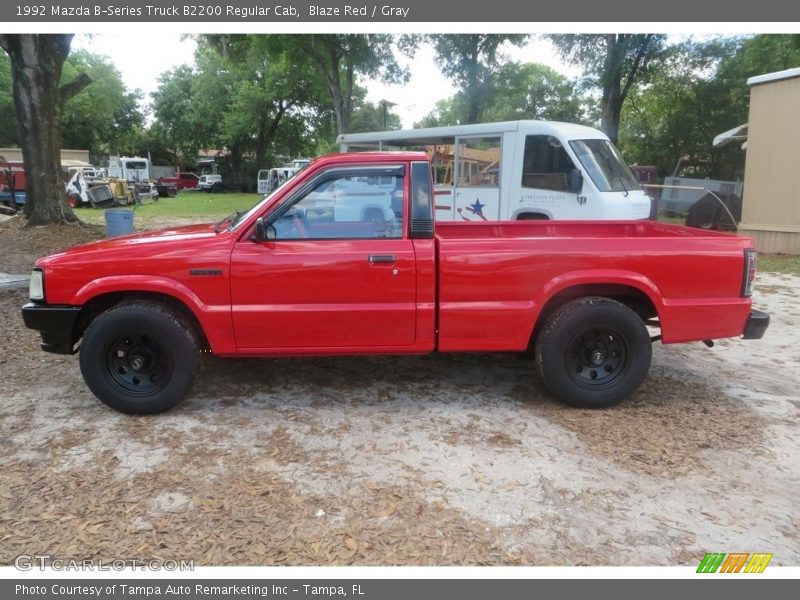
x=56 y=324
x=757 y=324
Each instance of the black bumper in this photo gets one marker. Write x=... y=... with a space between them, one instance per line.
x=757 y=324
x=56 y=324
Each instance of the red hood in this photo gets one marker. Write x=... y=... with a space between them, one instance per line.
x=140 y=243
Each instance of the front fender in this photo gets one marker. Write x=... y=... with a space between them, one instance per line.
x=215 y=320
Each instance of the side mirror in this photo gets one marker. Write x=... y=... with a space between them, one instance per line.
x=264 y=231
x=260 y=233
x=575 y=181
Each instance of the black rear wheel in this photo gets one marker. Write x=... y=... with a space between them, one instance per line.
x=593 y=352
x=139 y=358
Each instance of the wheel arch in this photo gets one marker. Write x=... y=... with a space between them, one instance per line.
x=637 y=293
x=99 y=303
x=532 y=214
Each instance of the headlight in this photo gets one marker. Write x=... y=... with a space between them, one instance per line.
x=36 y=289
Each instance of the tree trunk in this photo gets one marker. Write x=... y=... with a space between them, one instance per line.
x=612 y=86
x=36 y=64
x=266 y=131
x=473 y=84
x=329 y=58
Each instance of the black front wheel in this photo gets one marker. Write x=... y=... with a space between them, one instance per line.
x=593 y=352
x=139 y=358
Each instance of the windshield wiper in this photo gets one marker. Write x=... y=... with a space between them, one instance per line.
x=230 y=219
x=624 y=187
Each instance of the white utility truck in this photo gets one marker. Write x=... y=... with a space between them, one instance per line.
x=519 y=170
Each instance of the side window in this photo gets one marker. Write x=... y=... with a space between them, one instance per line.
x=545 y=165
x=479 y=162
x=346 y=207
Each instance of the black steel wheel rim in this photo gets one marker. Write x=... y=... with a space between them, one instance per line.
x=138 y=364
x=596 y=358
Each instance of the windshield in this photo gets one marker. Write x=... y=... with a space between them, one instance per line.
x=244 y=215
x=605 y=166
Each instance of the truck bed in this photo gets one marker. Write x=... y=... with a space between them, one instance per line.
x=496 y=279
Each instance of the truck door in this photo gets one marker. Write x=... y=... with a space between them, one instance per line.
x=477 y=178
x=336 y=272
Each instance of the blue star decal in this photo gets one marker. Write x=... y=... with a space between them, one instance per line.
x=477 y=208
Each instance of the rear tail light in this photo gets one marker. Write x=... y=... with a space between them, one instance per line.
x=749 y=272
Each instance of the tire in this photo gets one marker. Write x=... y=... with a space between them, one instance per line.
x=217 y=188
x=74 y=201
x=139 y=358
x=593 y=352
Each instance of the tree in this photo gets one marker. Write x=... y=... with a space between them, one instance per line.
x=268 y=88
x=37 y=61
x=470 y=60
x=517 y=91
x=372 y=117
x=257 y=96
x=532 y=91
x=613 y=62
x=448 y=111
x=340 y=58
x=173 y=108
x=699 y=90
x=103 y=117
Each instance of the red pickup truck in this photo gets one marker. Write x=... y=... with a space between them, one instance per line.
x=345 y=259
x=182 y=181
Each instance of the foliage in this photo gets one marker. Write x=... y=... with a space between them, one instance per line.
x=338 y=60
x=471 y=61
x=517 y=91
x=613 y=63
x=175 y=113
x=372 y=117
x=9 y=132
x=103 y=118
x=699 y=91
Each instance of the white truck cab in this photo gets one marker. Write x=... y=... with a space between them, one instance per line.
x=133 y=169
x=519 y=170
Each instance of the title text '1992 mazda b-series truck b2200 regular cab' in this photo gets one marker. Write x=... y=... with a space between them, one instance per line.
x=345 y=259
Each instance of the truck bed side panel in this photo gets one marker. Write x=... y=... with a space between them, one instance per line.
x=495 y=279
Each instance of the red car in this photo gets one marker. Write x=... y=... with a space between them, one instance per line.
x=345 y=259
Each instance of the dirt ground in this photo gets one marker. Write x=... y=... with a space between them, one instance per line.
x=433 y=460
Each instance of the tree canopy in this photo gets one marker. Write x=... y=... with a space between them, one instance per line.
x=700 y=90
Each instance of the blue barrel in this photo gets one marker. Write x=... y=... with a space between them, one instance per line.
x=119 y=221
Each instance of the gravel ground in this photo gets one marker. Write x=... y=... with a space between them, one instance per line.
x=433 y=460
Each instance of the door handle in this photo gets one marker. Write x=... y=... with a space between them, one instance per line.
x=382 y=259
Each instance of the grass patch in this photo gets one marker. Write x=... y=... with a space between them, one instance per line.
x=779 y=263
x=190 y=207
